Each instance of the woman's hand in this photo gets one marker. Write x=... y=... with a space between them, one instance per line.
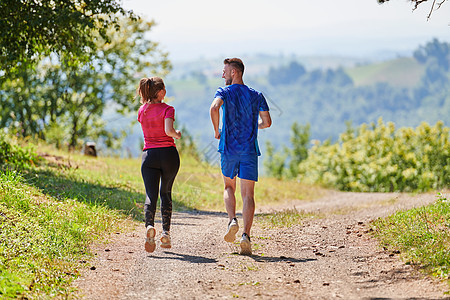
x=178 y=134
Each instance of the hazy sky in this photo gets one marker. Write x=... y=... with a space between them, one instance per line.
x=190 y=29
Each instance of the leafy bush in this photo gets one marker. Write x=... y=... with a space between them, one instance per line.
x=380 y=158
x=13 y=154
x=285 y=164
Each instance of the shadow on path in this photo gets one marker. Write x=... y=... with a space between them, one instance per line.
x=270 y=259
x=186 y=257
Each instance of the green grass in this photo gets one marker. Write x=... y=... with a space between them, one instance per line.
x=401 y=72
x=422 y=235
x=283 y=219
x=43 y=240
x=51 y=211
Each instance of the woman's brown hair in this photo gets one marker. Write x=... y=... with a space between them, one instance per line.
x=148 y=88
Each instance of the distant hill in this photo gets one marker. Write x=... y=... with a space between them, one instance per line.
x=332 y=92
x=400 y=72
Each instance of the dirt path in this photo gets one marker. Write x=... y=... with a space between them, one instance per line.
x=330 y=257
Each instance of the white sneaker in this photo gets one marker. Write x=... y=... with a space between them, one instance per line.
x=233 y=228
x=150 y=244
x=246 y=246
x=165 y=240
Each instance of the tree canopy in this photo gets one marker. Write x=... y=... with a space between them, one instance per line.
x=33 y=27
x=63 y=103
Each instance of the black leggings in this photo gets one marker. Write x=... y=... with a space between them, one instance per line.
x=159 y=164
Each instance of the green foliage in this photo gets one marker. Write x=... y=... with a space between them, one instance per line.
x=300 y=140
x=280 y=164
x=43 y=241
x=16 y=156
x=422 y=236
x=64 y=103
x=274 y=163
x=379 y=158
x=33 y=28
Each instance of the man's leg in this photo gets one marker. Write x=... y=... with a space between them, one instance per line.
x=229 y=196
x=248 y=199
x=230 y=204
x=248 y=211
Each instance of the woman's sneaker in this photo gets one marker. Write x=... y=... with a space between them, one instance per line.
x=150 y=244
x=233 y=228
x=165 y=240
x=246 y=246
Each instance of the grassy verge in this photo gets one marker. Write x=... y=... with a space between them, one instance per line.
x=422 y=235
x=44 y=240
x=52 y=211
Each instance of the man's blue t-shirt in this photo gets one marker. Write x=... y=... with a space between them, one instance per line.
x=241 y=107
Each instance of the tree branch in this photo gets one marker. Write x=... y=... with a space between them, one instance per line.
x=418 y=2
x=431 y=10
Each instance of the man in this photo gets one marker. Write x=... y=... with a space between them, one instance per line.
x=238 y=144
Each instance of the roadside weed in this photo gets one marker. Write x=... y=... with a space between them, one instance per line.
x=284 y=218
x=422 y=235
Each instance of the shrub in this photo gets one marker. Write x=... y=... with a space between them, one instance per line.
x=382 y=159
x=15 y=155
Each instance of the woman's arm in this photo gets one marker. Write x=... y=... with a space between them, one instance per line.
x=170 y=131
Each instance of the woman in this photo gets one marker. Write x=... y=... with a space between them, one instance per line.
x=160 y=160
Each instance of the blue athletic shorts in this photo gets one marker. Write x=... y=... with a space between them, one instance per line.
x=244 y=166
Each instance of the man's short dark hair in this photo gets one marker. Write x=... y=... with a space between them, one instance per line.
x=235 y=63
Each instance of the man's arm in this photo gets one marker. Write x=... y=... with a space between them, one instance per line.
x=214 y=112
x=265 y=121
